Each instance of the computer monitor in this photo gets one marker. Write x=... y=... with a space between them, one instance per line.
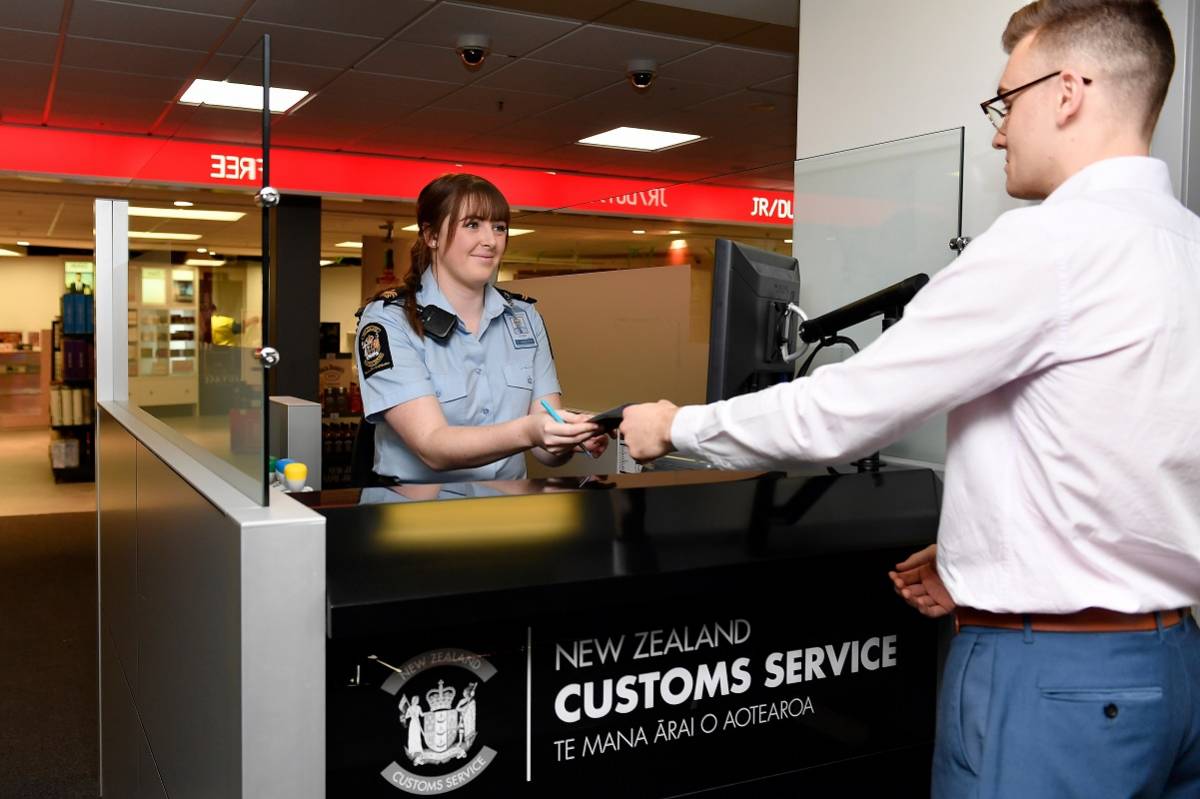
x=750 y=322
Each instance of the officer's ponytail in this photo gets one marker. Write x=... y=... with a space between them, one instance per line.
x=450 y=197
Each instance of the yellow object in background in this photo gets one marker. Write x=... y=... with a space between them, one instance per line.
x=295 y=475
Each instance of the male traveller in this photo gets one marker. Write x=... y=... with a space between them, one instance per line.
x=1065 y=344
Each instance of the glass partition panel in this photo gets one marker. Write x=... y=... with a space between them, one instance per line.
x=625 y=282
x=856 y=221
x=197 y=290
x=869 y=217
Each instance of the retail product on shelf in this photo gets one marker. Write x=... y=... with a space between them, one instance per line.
x=163 y=335
x=70 y=395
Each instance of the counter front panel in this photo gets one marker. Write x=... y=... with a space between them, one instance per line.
x=639 y=640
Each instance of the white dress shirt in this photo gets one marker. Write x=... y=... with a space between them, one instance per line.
x=1065 y=342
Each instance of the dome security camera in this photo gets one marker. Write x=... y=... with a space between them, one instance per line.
x=641 y=72
x=473 y=49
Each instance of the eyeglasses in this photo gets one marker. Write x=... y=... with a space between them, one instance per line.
x=996 y=109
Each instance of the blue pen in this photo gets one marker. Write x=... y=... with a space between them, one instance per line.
x=554 y=415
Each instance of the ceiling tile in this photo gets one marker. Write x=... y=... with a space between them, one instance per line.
x=512 y=33
x=785 y=85
x=284 y=74
x=576 y=9
x=218 y=124
x=503 y=145
x=38 y=48
x=731 y=66
x=770 y=37
x=360 y=93
x=136 y=58
x=220 y=8
x=548 y=78
x=85 y=110
x=501 y=105
x=40 y=15
x=428 y=62
x=300 y=45
x=603 y=47
x=142 y=25
x=23 y=90
x=365 y=17
x=678 y=21
x=116 y=85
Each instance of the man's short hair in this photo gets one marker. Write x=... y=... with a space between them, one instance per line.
x=1128 y=38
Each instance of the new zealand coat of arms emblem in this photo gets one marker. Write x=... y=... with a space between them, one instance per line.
x=439 y=726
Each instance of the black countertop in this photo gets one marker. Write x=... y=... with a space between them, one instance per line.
x=495 y=547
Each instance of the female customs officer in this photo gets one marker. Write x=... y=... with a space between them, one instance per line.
x=453 y=370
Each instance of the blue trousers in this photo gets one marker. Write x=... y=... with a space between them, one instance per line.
x=1066 y=715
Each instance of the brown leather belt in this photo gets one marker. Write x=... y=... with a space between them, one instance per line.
x=1089 y=620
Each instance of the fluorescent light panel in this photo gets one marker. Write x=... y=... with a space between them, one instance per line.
x=147 y=234
x=410 y=228
x=8 y=253
x=22 y=244
x=641 y=139
x=243 y=96
x=203 y=262
x=186 y=213
x=518 y=231
x=354 y=245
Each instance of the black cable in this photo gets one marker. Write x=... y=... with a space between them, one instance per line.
x=828 y=341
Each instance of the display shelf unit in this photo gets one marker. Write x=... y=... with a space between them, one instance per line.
x=163 y=335
x=71 y=392
x=25 y=387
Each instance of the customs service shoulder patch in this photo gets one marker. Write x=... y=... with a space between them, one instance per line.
x=373 y=351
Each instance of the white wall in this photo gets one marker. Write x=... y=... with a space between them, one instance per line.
x=341 y=296
x=30 y=289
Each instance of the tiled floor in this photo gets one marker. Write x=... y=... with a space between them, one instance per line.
x=26 y=483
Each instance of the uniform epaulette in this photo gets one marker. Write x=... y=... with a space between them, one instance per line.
x=512 y=295
x=388 y=296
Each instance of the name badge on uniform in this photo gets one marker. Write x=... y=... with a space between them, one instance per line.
x=520 y=329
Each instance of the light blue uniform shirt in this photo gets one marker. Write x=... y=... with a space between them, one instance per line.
x=478 y=380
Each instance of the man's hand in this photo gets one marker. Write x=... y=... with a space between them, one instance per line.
x=917 y=581
x=647 y=429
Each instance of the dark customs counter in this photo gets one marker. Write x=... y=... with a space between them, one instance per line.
x=638 y=636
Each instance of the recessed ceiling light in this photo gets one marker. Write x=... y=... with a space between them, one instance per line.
x=787 y=241
x=518 y=231
x=674 y=232
x=242 y=96
x=183 y=204
x=410 y=228
x=641 y=139
x=7 y=253
x=203 y=262
x=146 y=234
x=678 y=244
x=325 y=262
x=22 y=244
x=185 y=213
x=638 y=232
x=201 y=249
x=355 y=245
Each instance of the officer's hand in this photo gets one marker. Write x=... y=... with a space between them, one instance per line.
x=596 y=445
x=917 y=581
x=559 y=438
x=647 y=429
